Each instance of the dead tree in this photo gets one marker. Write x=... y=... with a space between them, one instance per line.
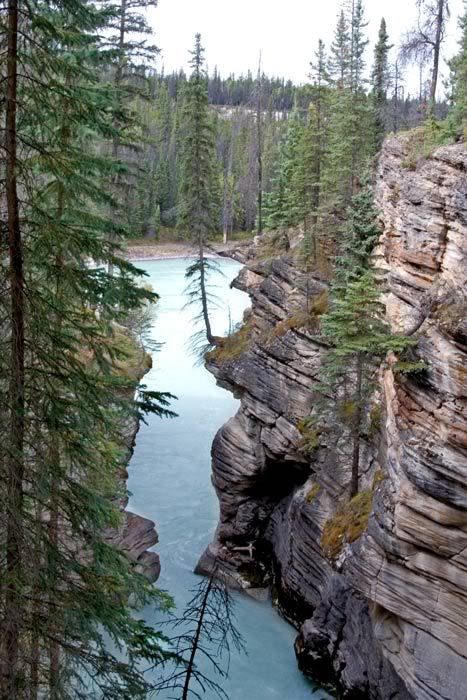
x=208 y=633
x=422 y=44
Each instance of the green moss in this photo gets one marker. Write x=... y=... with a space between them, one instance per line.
x=347 y=524
x=130 y=361
x=347 y=411
x=403 y=367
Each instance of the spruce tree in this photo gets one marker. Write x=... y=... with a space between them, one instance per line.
x=62 y=589
x=198 y=209
x=354 y=326
x=380 y=84
x=348 y=143
x=458 y=66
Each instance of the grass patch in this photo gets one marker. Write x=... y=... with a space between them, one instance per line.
x=312 y=493
x=422 y=142
x=272 y=245
x=232 y=346
x=302 y=319
x=310 y=435
x=347 y=524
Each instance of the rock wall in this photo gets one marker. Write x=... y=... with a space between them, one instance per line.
x=136 y=535
x=386 y=618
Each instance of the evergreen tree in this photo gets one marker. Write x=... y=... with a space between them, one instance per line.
x=348 y=143
x=198 y=210
x=380 y=84
x=340 y=58
x=282 y=207
x=458 y=66
x=129 y=52
x=62 y=589
x=354 y=327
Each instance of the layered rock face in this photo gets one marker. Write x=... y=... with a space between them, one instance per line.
x=412 y=562
x=387 y=617
x=136 y=535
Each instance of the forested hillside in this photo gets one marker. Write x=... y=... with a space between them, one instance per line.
x=98 y=147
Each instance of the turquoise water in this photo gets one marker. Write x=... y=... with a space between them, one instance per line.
x=170 y=483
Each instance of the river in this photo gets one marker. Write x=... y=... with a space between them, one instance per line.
x=170 y=483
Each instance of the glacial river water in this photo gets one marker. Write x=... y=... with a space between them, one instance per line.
x=170 y=483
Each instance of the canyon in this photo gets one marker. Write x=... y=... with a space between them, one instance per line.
x=382 y=611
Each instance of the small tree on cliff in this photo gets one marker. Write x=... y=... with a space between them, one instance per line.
x=198 y=207
x=354 y=327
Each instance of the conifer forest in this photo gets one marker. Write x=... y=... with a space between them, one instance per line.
x=339 y=494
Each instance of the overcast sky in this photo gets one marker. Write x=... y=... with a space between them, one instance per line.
x=286 y=31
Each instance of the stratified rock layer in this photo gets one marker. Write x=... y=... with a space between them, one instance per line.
x=388 y=619
x=136 y=535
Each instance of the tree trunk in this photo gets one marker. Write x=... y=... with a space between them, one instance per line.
x=204 y=302
x=194 y=648
x=117 y=82
x=436 y=50
x=15 y=460
x=259 y=136
x=356 y=430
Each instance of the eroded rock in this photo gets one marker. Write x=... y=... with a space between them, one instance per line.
x=387 y=619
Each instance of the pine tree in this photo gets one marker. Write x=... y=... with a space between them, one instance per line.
x=129 y=53
x=313 y=150
x=340 y=59
x=348 y=143
x=198 y=209
x=61 y=442
x=380 y=84
x=282 y=206
x=359 y=338
x=458 y=66
x=423 y=43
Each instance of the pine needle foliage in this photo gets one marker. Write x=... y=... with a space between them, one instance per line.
x=358 y=336
x=198 y=208
x=63 y=590
x=458 y=116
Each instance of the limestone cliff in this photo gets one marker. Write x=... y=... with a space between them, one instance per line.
x=136 y=535
x=383 y=616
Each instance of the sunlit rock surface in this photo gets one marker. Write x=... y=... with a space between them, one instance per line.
x=388 y=618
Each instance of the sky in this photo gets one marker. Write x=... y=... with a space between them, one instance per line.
x=285 y=31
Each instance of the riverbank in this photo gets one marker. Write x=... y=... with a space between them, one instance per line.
x=142 y=249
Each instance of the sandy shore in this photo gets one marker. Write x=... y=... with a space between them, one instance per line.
x=167 y=250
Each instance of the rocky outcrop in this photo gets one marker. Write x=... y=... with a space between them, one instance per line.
x=411 y=564
x=387 y=617
x=136 y=535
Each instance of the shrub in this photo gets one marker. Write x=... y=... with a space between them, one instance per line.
x=232 y=346
x=310 y=435
x=347 y=524
x=312 y=493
